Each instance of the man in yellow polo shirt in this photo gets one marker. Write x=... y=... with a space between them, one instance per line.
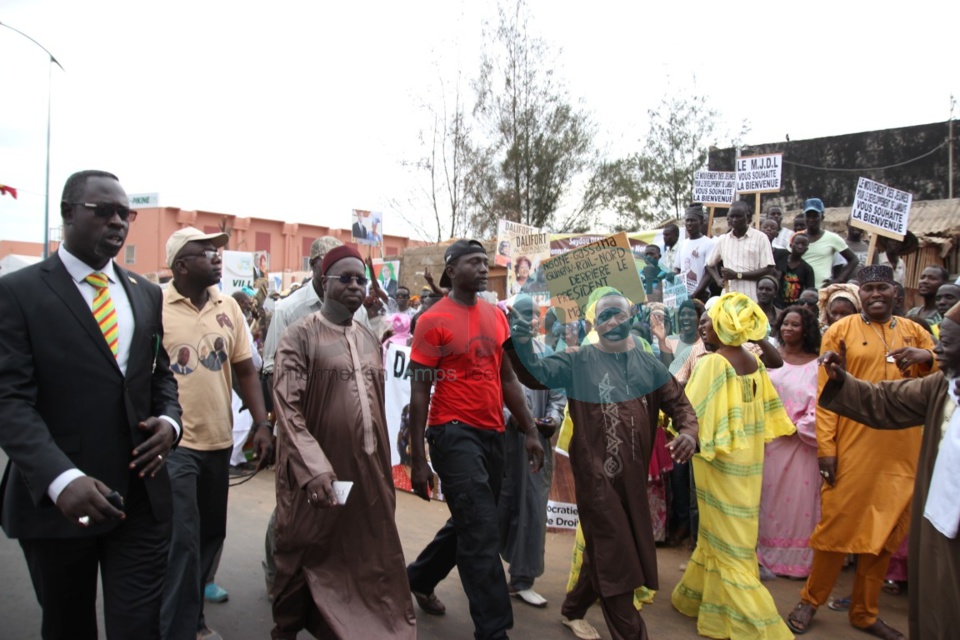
x=198 y=320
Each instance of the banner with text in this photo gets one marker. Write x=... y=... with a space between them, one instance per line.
x=716 y=188
x=237 y=271
x=881 y=209
x=574 y=275
x=759 y=174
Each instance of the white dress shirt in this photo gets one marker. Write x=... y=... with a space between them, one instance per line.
x=79 y=271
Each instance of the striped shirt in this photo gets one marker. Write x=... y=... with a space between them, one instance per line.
x=747 y=253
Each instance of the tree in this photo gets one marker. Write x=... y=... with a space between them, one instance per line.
x=445 y=164
x=535 y=143
x=656 y=182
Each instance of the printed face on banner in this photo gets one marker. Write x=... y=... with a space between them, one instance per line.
x=367 y=227
x=881 y=209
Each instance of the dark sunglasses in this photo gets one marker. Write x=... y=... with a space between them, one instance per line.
x=106 y=210
x=345 y=279
x=209 y=254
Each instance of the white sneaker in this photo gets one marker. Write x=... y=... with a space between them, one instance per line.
x=581 y=628
x=530 y=597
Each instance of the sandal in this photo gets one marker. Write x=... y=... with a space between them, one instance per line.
x=802 y=615
x=881 y=629
x=839 y=604
x=892 y=587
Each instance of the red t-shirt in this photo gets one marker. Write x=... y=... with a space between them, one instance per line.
x=464 y=345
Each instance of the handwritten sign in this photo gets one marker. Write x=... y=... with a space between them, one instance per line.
x=881 y=209
x=714 y=187
x=574 y=275
x=759 y=174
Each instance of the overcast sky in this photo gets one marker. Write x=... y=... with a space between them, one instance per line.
x=304 y=110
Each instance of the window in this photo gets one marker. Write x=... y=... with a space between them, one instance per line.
x=306 y=264
x=130 y=254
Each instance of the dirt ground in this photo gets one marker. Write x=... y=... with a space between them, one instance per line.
x=246 y=615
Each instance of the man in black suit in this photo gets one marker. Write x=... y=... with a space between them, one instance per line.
x=88 y=406
x=359 y=229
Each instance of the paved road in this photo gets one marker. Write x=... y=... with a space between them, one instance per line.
x=246 y=616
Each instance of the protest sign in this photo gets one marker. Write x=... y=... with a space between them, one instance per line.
x=759 y=174
x=506 y=232
x=237 y=271
x=880 y=209
x=714 y=187
x=574 y=275
x=529 y=251
x=367 y=227
x=396 y=400
x=674 y=293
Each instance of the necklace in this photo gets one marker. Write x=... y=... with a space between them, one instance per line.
x=889 y=357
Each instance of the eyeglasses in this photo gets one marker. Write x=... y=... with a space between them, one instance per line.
x=107 y=210
x=209 y=254
x=345 y=279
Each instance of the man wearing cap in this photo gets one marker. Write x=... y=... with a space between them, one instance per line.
x=824 y=246
x=301 y=303
x=340 y=568
x=89 y=406
x=901 y=404
x=197 y=317
x=744 y=251
x=868 y=474
x=458 y=350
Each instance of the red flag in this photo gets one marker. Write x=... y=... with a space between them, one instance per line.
x=5 y=190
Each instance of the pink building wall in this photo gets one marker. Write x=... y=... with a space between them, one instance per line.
x=288 y=243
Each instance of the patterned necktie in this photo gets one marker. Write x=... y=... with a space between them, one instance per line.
x=103 y=311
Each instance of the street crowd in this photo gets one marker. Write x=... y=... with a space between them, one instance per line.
x=787 y=418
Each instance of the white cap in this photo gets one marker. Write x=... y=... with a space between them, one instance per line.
x=191 y=234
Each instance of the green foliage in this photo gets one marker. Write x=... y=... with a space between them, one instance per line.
x=535 y=143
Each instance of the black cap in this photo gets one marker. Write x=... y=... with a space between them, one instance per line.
x=456 y=250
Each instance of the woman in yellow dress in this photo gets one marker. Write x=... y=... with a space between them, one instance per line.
x=739 y=411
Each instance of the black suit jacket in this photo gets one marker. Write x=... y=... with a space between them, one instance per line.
x=64 y=401
x=359 y=231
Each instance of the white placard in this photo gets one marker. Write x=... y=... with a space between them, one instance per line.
x=237 y=271
x=562 y=515
x=759 y=174
x=714 y=187
x=881 y=209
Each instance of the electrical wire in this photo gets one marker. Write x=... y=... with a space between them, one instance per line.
x=858 y=170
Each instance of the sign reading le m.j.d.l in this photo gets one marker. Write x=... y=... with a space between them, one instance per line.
x=759 y=174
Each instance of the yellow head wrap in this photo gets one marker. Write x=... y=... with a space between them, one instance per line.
x=590 y=313
x=737 y=319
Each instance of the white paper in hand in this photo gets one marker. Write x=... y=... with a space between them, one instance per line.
x=342 y=489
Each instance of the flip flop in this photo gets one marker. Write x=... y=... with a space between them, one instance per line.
x=792 y=619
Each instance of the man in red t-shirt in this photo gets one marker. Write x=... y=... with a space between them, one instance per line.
x=457 y=346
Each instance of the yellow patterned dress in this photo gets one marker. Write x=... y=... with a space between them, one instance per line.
x=721 y=585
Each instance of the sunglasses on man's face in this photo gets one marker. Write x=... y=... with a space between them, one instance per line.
x=107 y=210
x=345 y=279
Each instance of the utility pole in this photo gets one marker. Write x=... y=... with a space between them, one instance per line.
x=953 y=103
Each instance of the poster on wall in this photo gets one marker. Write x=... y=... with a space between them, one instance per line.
x=237 y=271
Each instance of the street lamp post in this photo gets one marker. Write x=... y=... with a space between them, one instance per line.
x=46 y=191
